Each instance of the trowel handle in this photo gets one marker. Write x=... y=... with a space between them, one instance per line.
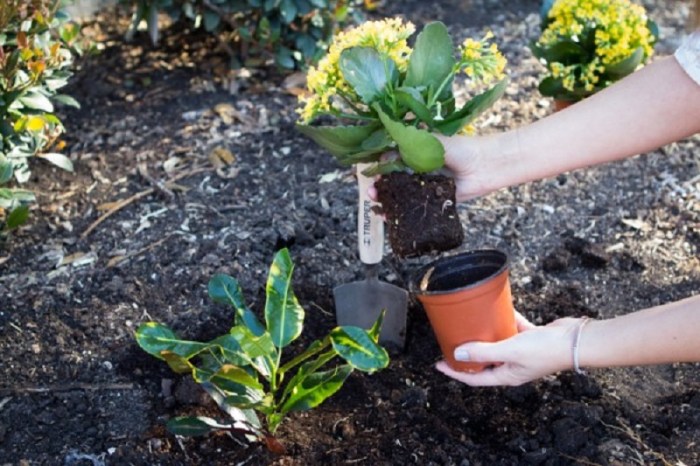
x=370 y=226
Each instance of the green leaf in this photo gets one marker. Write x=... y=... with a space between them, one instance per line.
x=154 y=338
x=253 y=345
x=289 y=10
x=191 y=426
x=359 y=349
x=411 y=98
x=36 y=101
x=60 y=160
x=211 y=20
x=624 y=67
x=284 y=58
x=17 y=217
x=565 y=51
x=368 y=72
x=283 y=314
x=231 y=350
x=6 y=171
x=432 y=60
x=419 y=149
x=224 y=289
x=377 y=141
x=177 y=363
x=339 y=140
x=314 y=348
x=552 y=87
x=472 y=109
x=377 y=326
x=66 y=100
x=237 y=375
x=316 y=388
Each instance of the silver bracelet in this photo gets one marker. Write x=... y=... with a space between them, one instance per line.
x=577 y=343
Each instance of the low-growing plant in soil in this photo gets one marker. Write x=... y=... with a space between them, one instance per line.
x=293 y=33
x=37 y=48
x=244 y=370
x=395 y=98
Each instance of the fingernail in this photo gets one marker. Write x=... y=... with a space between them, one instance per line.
x=461 y=354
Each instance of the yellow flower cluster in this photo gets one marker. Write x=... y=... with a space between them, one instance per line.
x=482 y=61
x=325 y=82
x=619 y=28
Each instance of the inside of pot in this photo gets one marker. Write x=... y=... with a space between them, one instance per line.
x=463 y=271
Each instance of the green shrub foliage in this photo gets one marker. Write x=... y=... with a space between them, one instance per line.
x=293 y=33
x=37 y=48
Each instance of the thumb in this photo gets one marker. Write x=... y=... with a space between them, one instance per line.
x=485 y=352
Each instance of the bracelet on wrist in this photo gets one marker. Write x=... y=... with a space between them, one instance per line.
x=577 y=345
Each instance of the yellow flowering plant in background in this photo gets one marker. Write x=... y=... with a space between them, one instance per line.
x=587 y=45
x=383 y=94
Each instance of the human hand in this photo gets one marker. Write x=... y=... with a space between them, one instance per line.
x=465 y=159
x=532 y=353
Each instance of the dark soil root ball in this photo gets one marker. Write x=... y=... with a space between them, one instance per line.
x=421 y=213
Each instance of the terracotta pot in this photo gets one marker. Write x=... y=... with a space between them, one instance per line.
x=467 y=298
x=562 y=104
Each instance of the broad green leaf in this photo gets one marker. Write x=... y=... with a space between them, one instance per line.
x=288 y=9
x=237 y=375
x=66 y=100
x=339 y=140
x=306 y=369
x=177 y=363
x=253 y=345
x=316 y=388
x=432 y=60
x=231 y=350
x=368 y=72
x=412 y=99
x=60 y=160
x=283 y=314
x=211 y=20
x=224 y=289
x=624 y=67
x=472 y=109
x=365 y=156
x=36 y=101
x=565 y=51
x=17 y=217
x=191 y=426
x=551 y=87
x=359 y=349
x=6 y=170
x=263 y=404
x=378 y=140
x=419 y=149
x=154 y=338
x=284 y=58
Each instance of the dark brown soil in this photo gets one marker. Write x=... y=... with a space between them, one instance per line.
x=421 y=213
x=76 y=390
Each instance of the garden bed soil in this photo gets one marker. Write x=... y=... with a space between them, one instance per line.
x=76 y=390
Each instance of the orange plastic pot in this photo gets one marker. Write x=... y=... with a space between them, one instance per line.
x=467 y=298
x=562 y=104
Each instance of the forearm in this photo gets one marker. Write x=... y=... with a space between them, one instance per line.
x=663 y=334
x=652 y=107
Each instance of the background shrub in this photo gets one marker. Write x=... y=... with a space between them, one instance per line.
x=37 y=48
x=293 y=33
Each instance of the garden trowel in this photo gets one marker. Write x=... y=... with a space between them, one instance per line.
x=359 y=303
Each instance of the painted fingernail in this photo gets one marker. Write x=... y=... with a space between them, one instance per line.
x=461 y=354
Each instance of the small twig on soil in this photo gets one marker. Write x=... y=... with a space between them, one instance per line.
x=624 y=428
x=67 y=388
x=579 y=460
x=121 y=204
x=143 y=171
x=321 y=309
x=119 y=259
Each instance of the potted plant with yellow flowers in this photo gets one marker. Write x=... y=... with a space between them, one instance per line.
x=376 y=95
x=586 y=45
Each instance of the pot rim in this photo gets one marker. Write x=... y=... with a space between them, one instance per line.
x=418 y=277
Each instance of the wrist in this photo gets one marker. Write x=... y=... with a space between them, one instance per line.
x=500 y=156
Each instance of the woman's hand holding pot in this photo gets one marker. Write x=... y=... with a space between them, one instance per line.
x=531 y=354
